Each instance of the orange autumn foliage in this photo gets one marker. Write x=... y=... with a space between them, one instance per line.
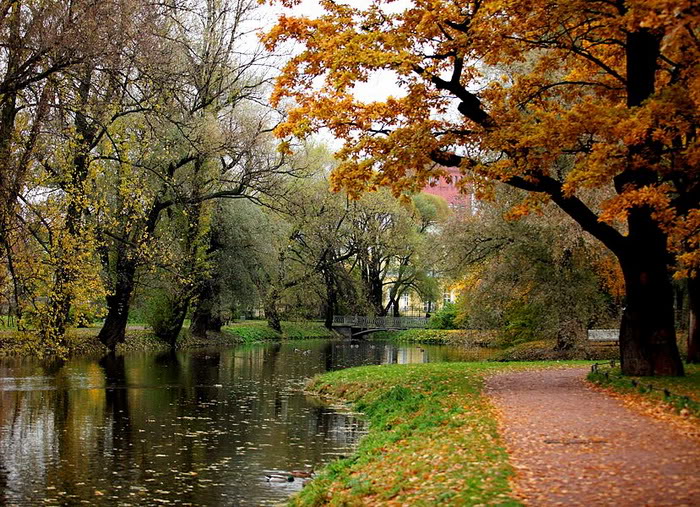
x=563 y=99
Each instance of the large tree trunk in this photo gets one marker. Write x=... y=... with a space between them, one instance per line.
x=396 y=311
x=376 y=293
x=170 y=328
x=113 y=330
x=647 y=332
x=331 y=299
x=202 y=317
x=694 y=324
x=200 y=320
x=271 y=312
x=10 y=179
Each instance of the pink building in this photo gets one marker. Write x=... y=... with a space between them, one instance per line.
x=449 y=191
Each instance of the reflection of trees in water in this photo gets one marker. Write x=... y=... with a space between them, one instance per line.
x=117 y=408
x=327 y=353
x=42 y=428
x=29 y=442
x=342 y=429
x=270 y=357
x=4 y=484
x=240 y=408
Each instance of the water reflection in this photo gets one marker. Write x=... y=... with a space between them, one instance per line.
x=194 y=427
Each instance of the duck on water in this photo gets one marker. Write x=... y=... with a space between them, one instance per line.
x=289 y=476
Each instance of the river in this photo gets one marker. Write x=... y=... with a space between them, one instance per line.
x=191 y=427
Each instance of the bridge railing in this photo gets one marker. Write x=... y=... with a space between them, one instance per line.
x=368 y=322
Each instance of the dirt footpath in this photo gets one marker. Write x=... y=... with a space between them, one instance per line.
x=571 y=445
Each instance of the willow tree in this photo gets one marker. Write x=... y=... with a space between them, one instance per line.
x=203 y=137
x=557 y=98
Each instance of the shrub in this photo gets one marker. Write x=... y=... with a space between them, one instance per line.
x=158 y=311
x=524 y=323
x=444 y=318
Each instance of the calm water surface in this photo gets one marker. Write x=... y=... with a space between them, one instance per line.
x=198 y=427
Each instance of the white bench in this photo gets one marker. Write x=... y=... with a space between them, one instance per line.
x=604 y=335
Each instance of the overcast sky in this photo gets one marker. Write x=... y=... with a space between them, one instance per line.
x=380 y=84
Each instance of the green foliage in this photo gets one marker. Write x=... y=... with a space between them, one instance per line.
x=537 y=277
x=523 y=323
x=431 y=209
x=252 y=333
x=444 y=318
x=158 y=310
x=460 y=337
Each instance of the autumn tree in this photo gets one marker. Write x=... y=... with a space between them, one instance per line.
x=89 y=102
x=555 y=98
x=38 y=38
x=414 y=269
x=69 y=71
x=383 y=237
x=535 y=277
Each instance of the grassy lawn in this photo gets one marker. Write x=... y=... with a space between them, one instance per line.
x=433 y=437
x=688 y=386
x=469 y=337
x=139 y=337
x=251 y=331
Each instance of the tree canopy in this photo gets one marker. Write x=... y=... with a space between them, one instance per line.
x=562 y=99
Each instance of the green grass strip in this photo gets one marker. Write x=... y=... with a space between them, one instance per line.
x=682 y=392
x=251 y=331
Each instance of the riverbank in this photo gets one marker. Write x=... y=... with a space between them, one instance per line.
x=404 y=459
x=83 y=341
x=541 y=350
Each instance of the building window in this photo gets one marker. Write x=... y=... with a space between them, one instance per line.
x=446 y=297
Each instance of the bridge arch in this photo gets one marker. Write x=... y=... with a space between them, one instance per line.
x=356 y=326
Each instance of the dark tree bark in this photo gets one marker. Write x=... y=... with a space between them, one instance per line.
x=203 y=319
x=215 y=324
x=376 y=292
x=169 y=329
x=271 y=311
x=200 y=320
x=694 y=318
x=370 y=269
x=647 y=332
x=113 y=330
x=273 y=318
x=331 y=297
